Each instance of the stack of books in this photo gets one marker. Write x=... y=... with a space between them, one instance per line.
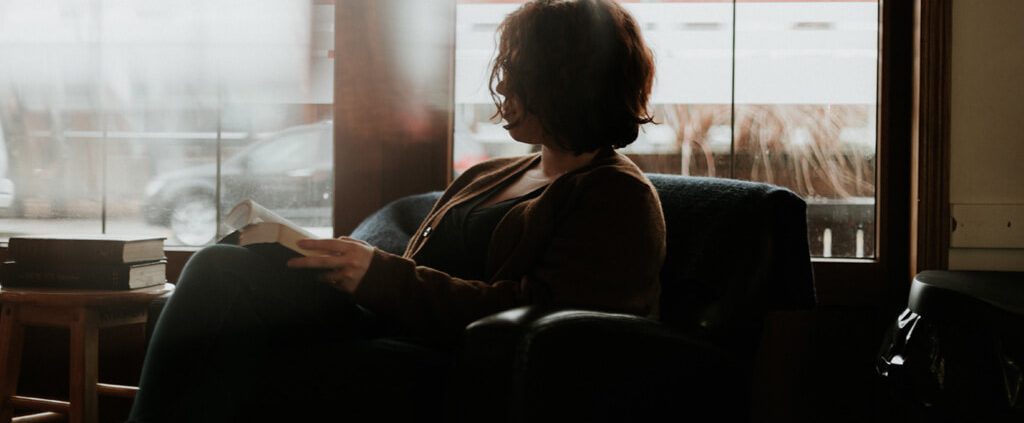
x=84 y=262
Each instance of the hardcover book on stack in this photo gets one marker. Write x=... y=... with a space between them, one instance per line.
x=107 y=262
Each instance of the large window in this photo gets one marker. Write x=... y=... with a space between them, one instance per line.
x=781 y=92
x=155 y=116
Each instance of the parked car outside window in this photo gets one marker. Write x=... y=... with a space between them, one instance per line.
x=289 y=172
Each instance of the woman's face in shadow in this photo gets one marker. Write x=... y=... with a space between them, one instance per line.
x=527 y=128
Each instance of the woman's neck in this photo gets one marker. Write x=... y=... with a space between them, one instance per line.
x=555 y=162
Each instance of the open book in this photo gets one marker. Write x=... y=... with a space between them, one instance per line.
x=255 y=224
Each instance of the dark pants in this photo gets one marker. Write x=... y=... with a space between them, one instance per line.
x=243 y=338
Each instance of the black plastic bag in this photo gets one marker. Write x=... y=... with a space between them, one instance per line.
x=966 y=368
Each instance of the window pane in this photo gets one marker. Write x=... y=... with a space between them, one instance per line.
x=45 y=173
x=142 y=147
x=692 y=44
x=287 y=167
x=477 y=136
x=117 y=115
x=805 y=113
x=799 y=110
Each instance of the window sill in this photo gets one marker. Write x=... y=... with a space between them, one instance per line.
x=837 y=281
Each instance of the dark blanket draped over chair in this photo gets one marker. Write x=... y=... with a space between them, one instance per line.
x=736 y=250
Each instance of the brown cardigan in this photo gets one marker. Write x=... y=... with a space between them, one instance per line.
x=594 y=239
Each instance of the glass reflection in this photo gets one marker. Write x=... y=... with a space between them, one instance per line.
x=117 y=114
x=805 y=113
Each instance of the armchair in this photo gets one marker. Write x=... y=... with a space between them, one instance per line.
x=736 y=250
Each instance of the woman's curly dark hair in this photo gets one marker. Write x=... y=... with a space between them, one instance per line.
x=580 y=66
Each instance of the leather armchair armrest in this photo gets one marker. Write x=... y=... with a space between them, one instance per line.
x=537 y=364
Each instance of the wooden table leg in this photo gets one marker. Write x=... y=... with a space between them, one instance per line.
x=11 y=335
x=83 y=370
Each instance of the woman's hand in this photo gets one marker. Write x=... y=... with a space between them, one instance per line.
x=344 y=261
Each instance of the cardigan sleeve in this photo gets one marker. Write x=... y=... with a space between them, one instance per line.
x=429 y=302
x=605 y=253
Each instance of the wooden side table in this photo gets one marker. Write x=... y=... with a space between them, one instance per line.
x=84 y=313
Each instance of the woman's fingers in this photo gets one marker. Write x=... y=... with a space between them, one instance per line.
x=317 y=262
x=327 y=245
x=344 y=260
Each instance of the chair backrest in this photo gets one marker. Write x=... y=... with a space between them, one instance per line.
x=736 y=249
x=391 y=227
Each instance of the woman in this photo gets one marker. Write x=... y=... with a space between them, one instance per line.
x=575 y=225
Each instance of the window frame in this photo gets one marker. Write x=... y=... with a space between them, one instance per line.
x=931 y=218
x=883 y=280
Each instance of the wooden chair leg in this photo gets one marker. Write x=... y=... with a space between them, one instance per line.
x=84 y=367
x=11 y=335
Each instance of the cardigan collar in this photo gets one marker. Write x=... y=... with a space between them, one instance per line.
x=490 y=180
x=487 y=181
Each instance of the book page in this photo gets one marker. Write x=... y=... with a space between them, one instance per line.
x=249 y=212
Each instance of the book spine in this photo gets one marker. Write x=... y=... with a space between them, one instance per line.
x=17 y=275
x=45 y=251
